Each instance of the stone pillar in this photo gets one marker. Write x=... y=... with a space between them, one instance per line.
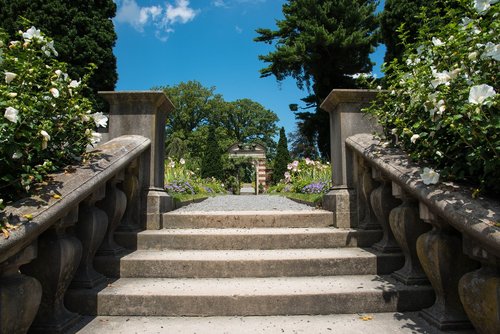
x=440 y=253
x=145 y=113
x=365 y=184
x=480 y=290
x=20 y=295
x=59 y=254
x=346 y=119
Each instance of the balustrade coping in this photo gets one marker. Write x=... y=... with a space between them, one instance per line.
x=107 y=160
x=453 y=203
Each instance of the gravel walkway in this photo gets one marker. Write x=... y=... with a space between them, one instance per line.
x=247 y=203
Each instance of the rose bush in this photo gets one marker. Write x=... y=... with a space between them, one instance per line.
x=45 y=122
x=442 y=103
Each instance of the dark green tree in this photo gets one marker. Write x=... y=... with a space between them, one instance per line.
x=211 y=164
x=82 y=30
x=198 y=107
x=400 y=14
x=319 y=44
x=247 y=121
x=282 y=157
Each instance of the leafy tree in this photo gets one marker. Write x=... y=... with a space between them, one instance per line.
x=282 y=157
x=248 y=121
x=211 y=165
x=198 y=107
x=82 y=30
x=319 y=44
x=400 y=14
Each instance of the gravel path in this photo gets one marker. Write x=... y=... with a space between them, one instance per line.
x=247 y=203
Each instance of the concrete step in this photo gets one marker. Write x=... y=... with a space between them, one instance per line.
x=258 y=263
x=256 y=238
x=259 y=296
x=247 y=219
x=379 y=323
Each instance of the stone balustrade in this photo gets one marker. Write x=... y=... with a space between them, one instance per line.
x=449 y=239
x=61 y=231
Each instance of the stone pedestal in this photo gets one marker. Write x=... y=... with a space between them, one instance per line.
x=145 y=113
x=342 y=202
x=347 y=119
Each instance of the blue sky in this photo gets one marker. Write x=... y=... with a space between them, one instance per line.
x=164 y=42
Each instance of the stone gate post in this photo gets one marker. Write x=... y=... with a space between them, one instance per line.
x=346 y=119
x=144 y=113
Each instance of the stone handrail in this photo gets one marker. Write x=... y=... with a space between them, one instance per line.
x=443 y=232
x=72 y=188
x=475 y=218
x=60 y=230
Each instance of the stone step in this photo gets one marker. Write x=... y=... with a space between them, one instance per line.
x=247 y=219
x=258 y=263
x=379 y=323
x=259 y=296
x=256 y=238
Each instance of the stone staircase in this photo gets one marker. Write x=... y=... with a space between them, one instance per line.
x=256 y=264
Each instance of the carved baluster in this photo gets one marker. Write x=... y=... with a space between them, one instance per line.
x=59 y=254
x=20 y=295
x=90 y=229
x=480 y=290
x=440 y=253
x=366 y=185
x=407 y=227
x=131 y=188
x=114 y=205
x=382 y=203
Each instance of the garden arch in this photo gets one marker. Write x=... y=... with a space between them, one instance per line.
x=257 y=153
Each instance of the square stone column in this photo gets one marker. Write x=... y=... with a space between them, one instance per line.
x=144 y=113
x=346 y=119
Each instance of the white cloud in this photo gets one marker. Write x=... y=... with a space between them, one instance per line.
x=238 y=29
x=229 y=3
x=162 y=18
x=219 y=3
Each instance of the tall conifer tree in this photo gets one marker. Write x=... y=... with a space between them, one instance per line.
x=320 y=43
x=282 y=157
x=211 y=164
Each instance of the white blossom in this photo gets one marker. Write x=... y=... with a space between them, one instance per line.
x=95 y=137
x=440 y=78
x=46 y=138
x=54 y=91
x=472 y=55
x=100 y=119
x=182 y=161
x=437 y=41
x=9 y=76
x=11 y=94
x=32 y=33
x=74 y=84
x=17 y=155
x=482 y=6
x=491 y=51
x=414 y=138
x=429 y=176
x=48 y=48
x=11 y=114
x=478 y=94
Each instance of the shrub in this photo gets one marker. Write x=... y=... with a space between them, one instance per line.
x=441 y=103
x=306 y=176
x=180 y=180
x=47 y=123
